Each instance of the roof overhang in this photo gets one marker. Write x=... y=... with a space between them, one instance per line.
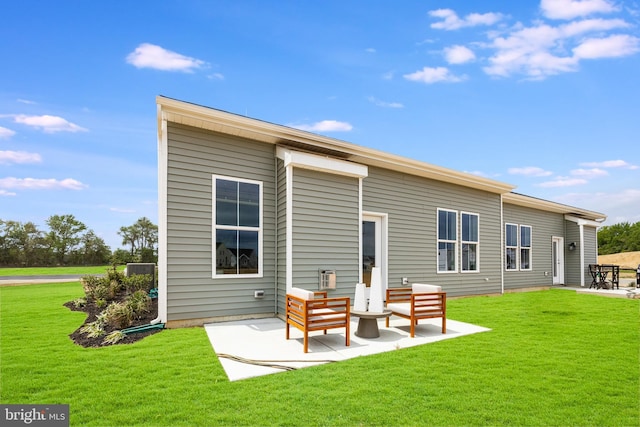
x=223 y=122
x=570 y=212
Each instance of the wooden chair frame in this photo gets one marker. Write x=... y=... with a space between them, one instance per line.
x=318 y=314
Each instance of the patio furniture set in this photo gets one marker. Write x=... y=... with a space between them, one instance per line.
x=313 y=311
x=604 y=276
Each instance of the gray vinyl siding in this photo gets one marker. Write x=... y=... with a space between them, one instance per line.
x=325 y=229
x=411 y=204
x=590 y=251
x=572 y=258
x=194 y=155
x=544 y=225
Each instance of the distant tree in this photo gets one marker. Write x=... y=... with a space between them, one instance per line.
x=142 y=238
x=21 y=244
x=92 y=250
x=64 y=235
x=120 y=257
x=616 y=238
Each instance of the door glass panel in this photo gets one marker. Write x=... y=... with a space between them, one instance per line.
x=368 y=250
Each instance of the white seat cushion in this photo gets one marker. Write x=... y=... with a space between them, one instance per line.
x=400 y=307
x=418 y=288
x=301 y=293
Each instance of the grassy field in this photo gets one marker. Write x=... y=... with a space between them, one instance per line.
x=53 y=271
x=553 y=358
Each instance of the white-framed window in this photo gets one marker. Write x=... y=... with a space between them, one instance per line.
x=237 y=227
x=470 y=241
x=525 y=247
x=517 y=247
x=511 y=246
x=447 y=241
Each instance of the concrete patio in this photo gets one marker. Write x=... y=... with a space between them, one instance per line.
x=255 y=347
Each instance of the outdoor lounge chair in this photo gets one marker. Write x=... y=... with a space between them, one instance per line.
x=313 y=311
x=418 y=302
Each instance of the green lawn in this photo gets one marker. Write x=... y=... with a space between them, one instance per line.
x=553 y=358
x=52 y=271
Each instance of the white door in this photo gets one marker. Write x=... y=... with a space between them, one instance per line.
x=557 y=255
x=374 y=252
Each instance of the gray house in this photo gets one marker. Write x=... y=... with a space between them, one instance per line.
x=248 y=209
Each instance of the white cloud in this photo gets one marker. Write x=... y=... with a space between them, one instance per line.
x=48 y=124
x=6 y=133
x=451 y=20
x=216 y=76
x=529 y=171
x=434 y=75
x=609 y=164
x=41 y=184
x=7 y=157
x=563 y=181
x=458 y=54
x=569 y=9
x=148 y=55
x=325 y=126
x=388 y=75
x=618 y=206
x=589 y=173
x=26 y=101
x=608 y=47
x=380 y=103
x=7 y=193
x=370 y=50
x=122 y=210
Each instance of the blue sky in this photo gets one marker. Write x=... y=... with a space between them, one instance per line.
x=543 y=95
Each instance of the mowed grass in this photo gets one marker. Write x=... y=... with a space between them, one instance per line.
x=53 y=271
x=552 y=358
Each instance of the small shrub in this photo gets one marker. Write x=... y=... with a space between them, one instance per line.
x=119 y=314
x=139 y=303
x=114 y=275
x=101 y=302
x=79 y=302
x=138 y=282
x=114 y=337
x=93 y=329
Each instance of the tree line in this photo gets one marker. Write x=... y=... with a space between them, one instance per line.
x=622 y=237
x=68 y=241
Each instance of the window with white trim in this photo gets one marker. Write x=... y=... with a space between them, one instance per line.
x=447 y=240
x=237 y=227
x=469 y=241
x=511 y=246
x=525 y=247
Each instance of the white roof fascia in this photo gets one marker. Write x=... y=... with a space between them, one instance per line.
x=233 y=124
x=546 y=205
x=582 y=221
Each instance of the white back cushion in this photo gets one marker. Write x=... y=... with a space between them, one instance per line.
x=301 y=293
x=422 y=288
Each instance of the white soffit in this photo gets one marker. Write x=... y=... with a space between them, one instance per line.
x=232 y=124
x=322 y=164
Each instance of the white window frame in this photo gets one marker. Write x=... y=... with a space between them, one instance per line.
x=454 y=241
x=215 y=227
x=515 y=248
x=470 y=242
x=522 y=247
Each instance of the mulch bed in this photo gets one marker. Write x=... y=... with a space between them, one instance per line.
x=92 y=311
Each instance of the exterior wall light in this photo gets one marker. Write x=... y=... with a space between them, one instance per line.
x=572 y=246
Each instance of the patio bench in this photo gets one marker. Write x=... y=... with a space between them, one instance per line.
x=313 y=311
x=418 y=302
